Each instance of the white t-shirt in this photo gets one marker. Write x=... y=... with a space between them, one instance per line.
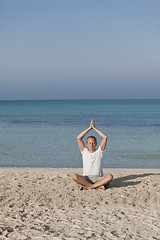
x=92 y=162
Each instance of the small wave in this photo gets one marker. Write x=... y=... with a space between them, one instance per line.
x=156 y=125
x=152 y=157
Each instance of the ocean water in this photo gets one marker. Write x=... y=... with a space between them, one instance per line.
x=43 y=133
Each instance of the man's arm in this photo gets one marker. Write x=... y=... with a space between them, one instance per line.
x=103 y=135
x=80 y=136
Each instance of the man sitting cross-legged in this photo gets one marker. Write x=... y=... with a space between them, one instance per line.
x=92 y=161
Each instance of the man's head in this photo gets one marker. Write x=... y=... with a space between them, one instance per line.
x=91 y=143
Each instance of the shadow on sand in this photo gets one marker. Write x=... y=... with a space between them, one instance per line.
x=126 y=181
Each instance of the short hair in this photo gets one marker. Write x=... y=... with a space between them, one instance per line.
x=93 y=138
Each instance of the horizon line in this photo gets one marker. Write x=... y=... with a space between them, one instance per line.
x=78 y=99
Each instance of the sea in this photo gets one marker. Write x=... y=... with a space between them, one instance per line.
x=43 y=133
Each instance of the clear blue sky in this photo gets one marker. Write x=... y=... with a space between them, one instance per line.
x=68 y=49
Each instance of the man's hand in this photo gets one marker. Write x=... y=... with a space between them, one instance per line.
x=92 y=124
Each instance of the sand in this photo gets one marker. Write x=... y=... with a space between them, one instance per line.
x=37 y=203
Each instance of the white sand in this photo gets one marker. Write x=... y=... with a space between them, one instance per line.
x=47 y=204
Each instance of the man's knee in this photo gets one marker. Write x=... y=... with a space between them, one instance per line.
x=109 y=177
x=75 y=177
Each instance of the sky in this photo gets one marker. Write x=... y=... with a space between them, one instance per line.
x=79 y=49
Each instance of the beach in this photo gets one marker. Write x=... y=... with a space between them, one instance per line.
x=45 y=203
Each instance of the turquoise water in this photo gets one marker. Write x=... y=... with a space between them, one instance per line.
x=43 y=133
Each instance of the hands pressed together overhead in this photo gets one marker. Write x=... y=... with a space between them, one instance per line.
x=92 y=126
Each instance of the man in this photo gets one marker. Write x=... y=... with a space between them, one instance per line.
x=92 y=161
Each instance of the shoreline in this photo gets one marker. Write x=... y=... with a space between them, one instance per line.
x=105 y=170
x=79 y=168
x=45 y=203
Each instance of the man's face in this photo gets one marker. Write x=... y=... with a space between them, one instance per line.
x=91 y=144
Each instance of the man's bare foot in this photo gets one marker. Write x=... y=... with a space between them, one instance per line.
x=101 y=187
x=89 y=188
x=84 y=188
